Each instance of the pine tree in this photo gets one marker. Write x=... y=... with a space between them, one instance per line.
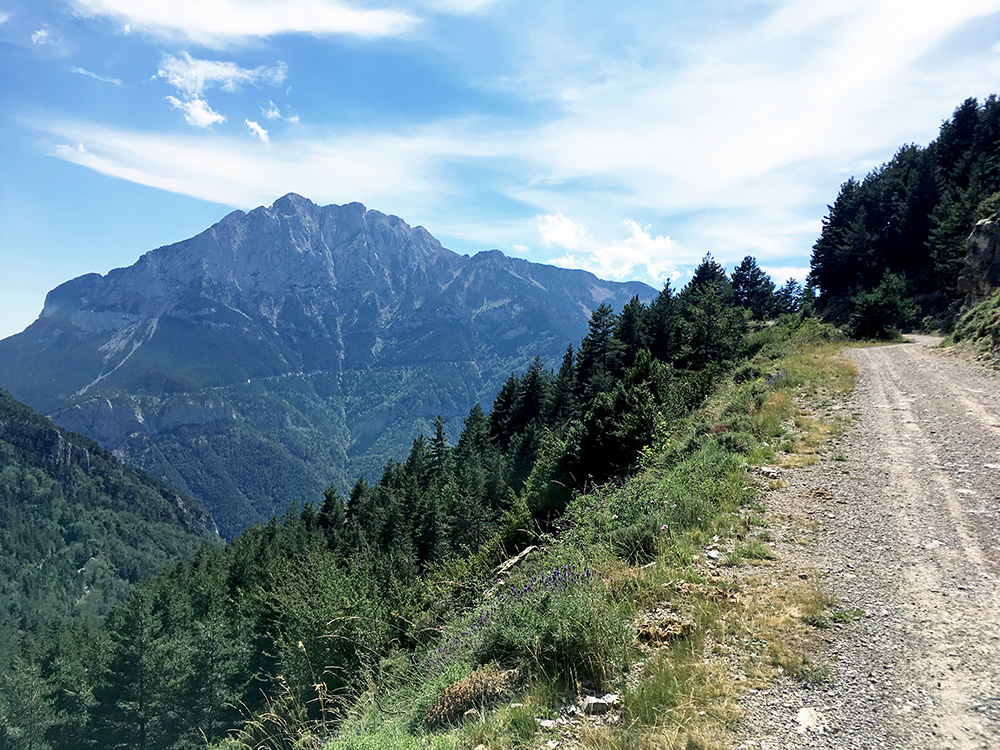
x=440 y=452
x=562 y=399
x=661 y=325
x=753 y=289
x=502 y=416
x=598 y=360
x=630 y=331
x=711 y=326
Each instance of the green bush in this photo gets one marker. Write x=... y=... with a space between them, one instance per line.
x=882 y=312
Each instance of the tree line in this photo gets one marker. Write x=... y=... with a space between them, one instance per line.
x=324 y=593
x=893 y=244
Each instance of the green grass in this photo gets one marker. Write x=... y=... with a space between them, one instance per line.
x=566 y=619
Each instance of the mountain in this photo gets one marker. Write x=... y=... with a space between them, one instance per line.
x=289 y=347
x=77 y=526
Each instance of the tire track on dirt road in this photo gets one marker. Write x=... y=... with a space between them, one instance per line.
x=909 y=532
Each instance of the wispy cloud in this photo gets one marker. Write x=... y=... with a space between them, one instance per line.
x=40 y=37
x=272 y=112
x=95 y=76
x=4 y=17
x=382 y=170
x=256 y=130
x=459 y=7
x=780 y=274
x=226 y=22
x=722 y=147
x=196 y=112
x=193 y=76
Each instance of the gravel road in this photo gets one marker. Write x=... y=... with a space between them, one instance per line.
x=907 y=529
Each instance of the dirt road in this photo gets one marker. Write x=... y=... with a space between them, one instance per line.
x=906 y=529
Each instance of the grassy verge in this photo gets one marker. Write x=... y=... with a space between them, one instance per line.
x=658 y=595
x=977 y=332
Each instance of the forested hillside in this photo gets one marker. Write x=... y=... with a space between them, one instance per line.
x=892 y=244
x=291 y=621
x=77 y=530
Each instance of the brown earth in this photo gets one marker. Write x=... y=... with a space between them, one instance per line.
x=904 y=534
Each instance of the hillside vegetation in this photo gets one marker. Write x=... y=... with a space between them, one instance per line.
x=77 y=530
x=977 y=330
x=388 y=600
x=893 y=244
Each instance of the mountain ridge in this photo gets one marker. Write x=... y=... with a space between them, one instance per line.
x=317 y=340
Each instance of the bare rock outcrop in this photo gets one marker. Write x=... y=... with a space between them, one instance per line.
x=981 y=274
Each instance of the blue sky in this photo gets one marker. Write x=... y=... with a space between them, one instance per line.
x=628 y=138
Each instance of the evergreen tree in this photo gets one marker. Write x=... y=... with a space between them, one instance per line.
x=533 y=394
x=661 y=325
x=753 y=289
x=630 y=331
x=711 y=326
x=562 y=398
x=440 y=452
x=598 y=360
x=502 y=417
x=788 y=299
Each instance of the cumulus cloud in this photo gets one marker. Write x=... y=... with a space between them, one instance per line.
x=557 y=229
x=224 y=23
x=621 y=259
x=95 y=76
x=40 y=37
x=4 y=17
x=256 y=130
x=193 y=76
x=196 y=111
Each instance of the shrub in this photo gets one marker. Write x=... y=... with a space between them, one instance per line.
x=882 y=312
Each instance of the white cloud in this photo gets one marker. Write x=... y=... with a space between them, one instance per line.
x=395 y=174
x=458 y=7
x=95 y=76
x=40 y=37
x=780 y=274
x=272 y=112
x=193 y=77
x=223 y=23
x=294 y=119
x=196 y=112
x=556 y=229
x=712 y=132
x=4 y=17
x=256 y=130
x=621 y=259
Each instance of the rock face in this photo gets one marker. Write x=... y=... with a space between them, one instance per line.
x=290 y=347
x=981 y=273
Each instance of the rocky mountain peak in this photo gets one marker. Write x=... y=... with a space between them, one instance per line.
x=315 y=341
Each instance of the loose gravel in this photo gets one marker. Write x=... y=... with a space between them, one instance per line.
x=906 y=529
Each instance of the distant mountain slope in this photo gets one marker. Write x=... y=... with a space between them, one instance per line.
x=78 y=527
x=289 y=347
